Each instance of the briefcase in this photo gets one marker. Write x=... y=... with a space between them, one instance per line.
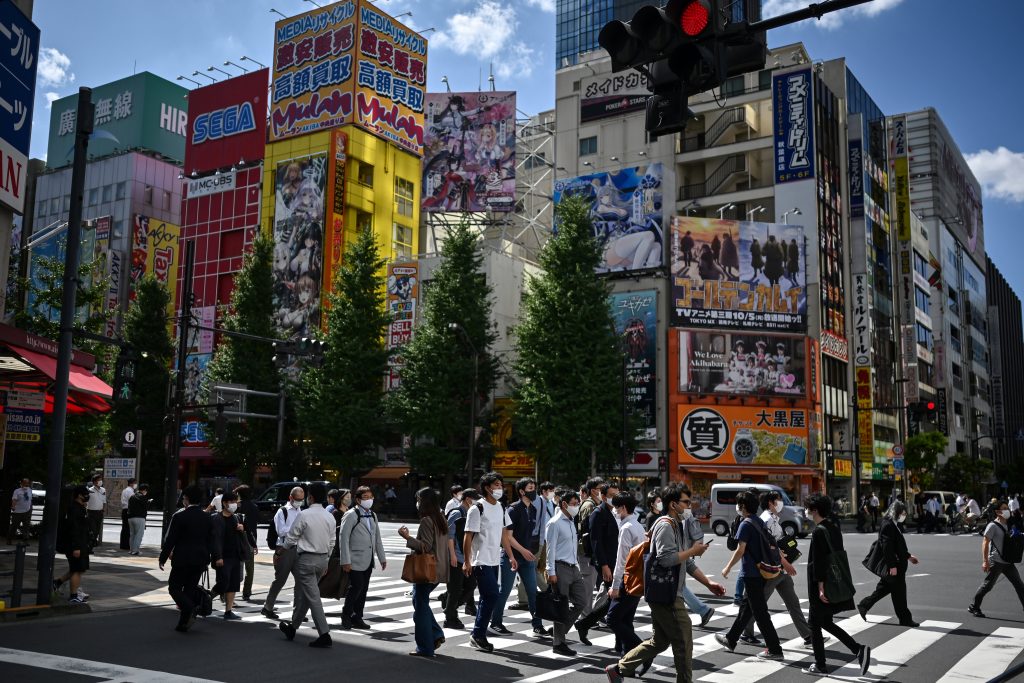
x=553 y=606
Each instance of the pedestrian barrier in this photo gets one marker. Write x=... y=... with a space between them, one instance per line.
x=17 y=574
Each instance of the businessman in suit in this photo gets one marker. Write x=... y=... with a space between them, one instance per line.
x=359 y=541
x=896 y=557
x=190 y=545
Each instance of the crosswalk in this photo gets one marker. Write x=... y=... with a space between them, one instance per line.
x=944 y=651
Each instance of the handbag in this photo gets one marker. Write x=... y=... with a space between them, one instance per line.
x=420 y=567
x=790 y=549
x=838 y=581
x=661 y=584
x=553 y=606
x=334 y=583
x=874 y=561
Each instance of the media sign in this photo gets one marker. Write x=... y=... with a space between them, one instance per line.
x=227 y=124
x=19 y=51
x=793 y=108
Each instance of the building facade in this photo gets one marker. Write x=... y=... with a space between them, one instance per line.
x=1006 y=349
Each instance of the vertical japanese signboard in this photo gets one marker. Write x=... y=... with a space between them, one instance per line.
x=863 y=375
x=162 y=257
x=336 y=194
x=636 y=321
x=861 y=319
x=19 y=51
x=403 y=292
x=793 y=109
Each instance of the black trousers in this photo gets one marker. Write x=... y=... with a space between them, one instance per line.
x=755 y=605
x=896 y=586
x=96 y=526
x=125 y=531
x=460 y=592
x=621 y=613
x=355 y=601
x=183 y=585
x=820 y=619
x=997 y=569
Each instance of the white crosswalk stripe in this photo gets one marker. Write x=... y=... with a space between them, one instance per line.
x=894 y=653
x=990 y=658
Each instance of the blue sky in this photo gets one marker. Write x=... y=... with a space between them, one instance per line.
x=962 y=58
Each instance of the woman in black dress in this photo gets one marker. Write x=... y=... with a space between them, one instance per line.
x=826 y=538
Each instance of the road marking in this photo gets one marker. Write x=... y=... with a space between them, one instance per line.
x=894 y=653
x=989 y=659
x=83 y=667
x=548 y=675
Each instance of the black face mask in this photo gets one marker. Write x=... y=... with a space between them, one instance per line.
x=532 y=495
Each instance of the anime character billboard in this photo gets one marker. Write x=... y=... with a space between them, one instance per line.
x=738 y=363
x=738 y=275
x=636 y=321
x=469 y=161
x=298 y=244
x=626 y=209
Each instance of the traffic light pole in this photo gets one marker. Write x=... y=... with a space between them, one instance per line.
x=816 y=10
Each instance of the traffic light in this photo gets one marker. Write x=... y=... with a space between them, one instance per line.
x=662 y=463
x=124 y=373
x=930 y=411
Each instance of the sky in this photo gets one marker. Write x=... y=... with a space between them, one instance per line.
x=961 y=58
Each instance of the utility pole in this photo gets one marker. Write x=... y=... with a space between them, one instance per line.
x=55 y=459
x=184 y=320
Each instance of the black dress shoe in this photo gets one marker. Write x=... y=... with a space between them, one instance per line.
x=360 y=624
x=564 y=650
x=414 y=653
x=642 y=669
x=269 y=613
x=346 y=624
x=287 y=629
x=481 y=644
x=583 y=630
x=863 y=611
x=541 y=631
x=453 y=624
x=911 y=623
x=322 y=641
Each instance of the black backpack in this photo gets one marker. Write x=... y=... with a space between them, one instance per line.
x=731 y=543
x=1012 y=548
x=272 y=529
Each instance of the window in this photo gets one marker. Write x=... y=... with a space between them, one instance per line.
x=535 y=161
x=55 y=205
x=575 y=86
x=122 y=190
x=147 y=195
x=108 y=193
x=67 y=203
x=404 y=193
x=167 y=200
x=924 y=336
x=365 y=174
x=364 y=221
x=764 y=80
x=920 y=265
x=118 y=228
x=588 y=146
x=43 y=205
x=94 y=196
x=733 y=86
x=402 y=237
x=922 y=300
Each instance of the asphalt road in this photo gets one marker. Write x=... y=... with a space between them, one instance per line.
x=130 y=638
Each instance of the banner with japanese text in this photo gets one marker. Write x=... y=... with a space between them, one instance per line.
x=403 y=292
x=743 y=435
x=636 y=322
x=162 y=257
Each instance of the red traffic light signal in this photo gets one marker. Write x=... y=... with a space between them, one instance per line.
x=695 y=17
x=930 y=406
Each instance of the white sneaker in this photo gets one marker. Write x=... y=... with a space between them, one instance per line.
x=82 y=595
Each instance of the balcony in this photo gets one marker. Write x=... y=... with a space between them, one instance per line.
x=740 y=119
x=717 y=180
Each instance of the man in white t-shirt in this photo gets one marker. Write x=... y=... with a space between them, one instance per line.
x=485 y=537
x=95 y=506
x=126 y=495
x=21 y=512
x=215 y=502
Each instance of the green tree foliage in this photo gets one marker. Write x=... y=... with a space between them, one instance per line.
x=433 y=402
x=146 y=330
x=569 y=362
x=249 y=362
x=340 y=405
x=965 y=473
x=921 y=456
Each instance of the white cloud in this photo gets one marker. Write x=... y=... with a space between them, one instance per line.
x=484 y=32
x=546 y=5
x=1000 y=172
x=51 y=97
x=832 y=20
x=517 y=62
x=54 y=68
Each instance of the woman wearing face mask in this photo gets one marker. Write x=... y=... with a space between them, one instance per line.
x=229 y=536
x=432 y=537
x=896 y=556
x=654 y=508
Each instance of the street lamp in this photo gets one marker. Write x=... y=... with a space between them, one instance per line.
x=694 y=205
x=794 y=211
x=237 y=66
x=243 y=58
x=183 y=78
x=456 y=327
x=722 y=209
x=753 y=212
x=213 y=68
x=274 y=11
x=200 y=73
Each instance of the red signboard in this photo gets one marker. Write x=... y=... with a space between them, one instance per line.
x=227 y=122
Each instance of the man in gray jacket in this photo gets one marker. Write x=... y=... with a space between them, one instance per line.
x=671 y=622
x=359 y=540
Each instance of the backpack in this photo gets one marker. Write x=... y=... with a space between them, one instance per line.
x=272 y=529
x=460 y=524
x=1012 y=548
x=633 y=575
x=731 y=543
x=583 y=527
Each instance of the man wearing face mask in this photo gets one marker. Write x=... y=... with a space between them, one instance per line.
x=590 y=498
x=525 y=546
x=485 y=537
x=97 y=503
x=284 y=558
x=313 y=536
x=604 y=542
x=622 y=609
x=360 y=540
x=896 y=555
x=545 y=511
x=455 y=500
x=231 y=541
x=563 y=567
x=190 y=544
x=994 y=560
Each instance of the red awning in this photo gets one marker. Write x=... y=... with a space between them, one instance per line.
x=87 y=393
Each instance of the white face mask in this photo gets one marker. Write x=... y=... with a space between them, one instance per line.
x=687 y=513
x=777 y=507
x=739 y=510
x=99 y=484
x=347 y=501
x=498 y=493
x=615 y=513
x=573 y=510
x=657 y=506
x=232 y=507
x=1005 y=514
x=807 y=514
x=366 y=504
x=551 y=496
x=902 y=518
x=296 y=504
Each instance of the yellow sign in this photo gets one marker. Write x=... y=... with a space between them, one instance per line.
x=842 y=468
x=162 y=257
x=513 y=464
x=903 y=199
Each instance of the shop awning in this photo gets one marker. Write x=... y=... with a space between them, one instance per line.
x=385 y=474
x=750 y=472
x=194 y=453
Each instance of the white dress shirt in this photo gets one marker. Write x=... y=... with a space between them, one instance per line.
x=97 y=498
x=631 y=534
x=125 y=495
x=313 y=531
x=284 y=519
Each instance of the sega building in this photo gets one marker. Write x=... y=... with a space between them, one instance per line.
x=220 y=213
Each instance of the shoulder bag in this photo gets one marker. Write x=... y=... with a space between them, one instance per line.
x=420 y=567
x=771 y=566
x=553 y=606
x=874 y=561
x=838 y=582
x=661 y=584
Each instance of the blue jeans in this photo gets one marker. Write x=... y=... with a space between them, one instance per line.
x=696 y=605
x=487 y=584
x=427 y=629
x=528 y=575
x=738 y=595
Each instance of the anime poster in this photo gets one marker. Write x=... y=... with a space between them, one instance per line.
x=742 y=364
x=469 y=161
x=738 y=275
x=626 y=208
x=298 y=244
x=140 y=253
x=403 y=292
x=636 y=320
x=195 y=376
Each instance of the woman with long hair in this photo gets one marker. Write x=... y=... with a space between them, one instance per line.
x=896 y=556
x=432 y=537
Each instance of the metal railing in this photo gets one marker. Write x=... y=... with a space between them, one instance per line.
x=730 y=166
x=17 y=574
x=715 y=131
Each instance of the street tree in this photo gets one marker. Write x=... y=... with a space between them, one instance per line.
x=249 y=362
x=340 y=404
x=965 y=473
x=569 y=363
x=433 y=402
x=921 y=455
x=150 y=347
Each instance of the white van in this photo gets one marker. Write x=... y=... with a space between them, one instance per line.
x=723 y=509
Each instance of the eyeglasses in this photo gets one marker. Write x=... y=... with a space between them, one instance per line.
x=684 y=502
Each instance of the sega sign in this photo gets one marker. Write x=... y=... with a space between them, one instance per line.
x=227 y=124
x=223 y=123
